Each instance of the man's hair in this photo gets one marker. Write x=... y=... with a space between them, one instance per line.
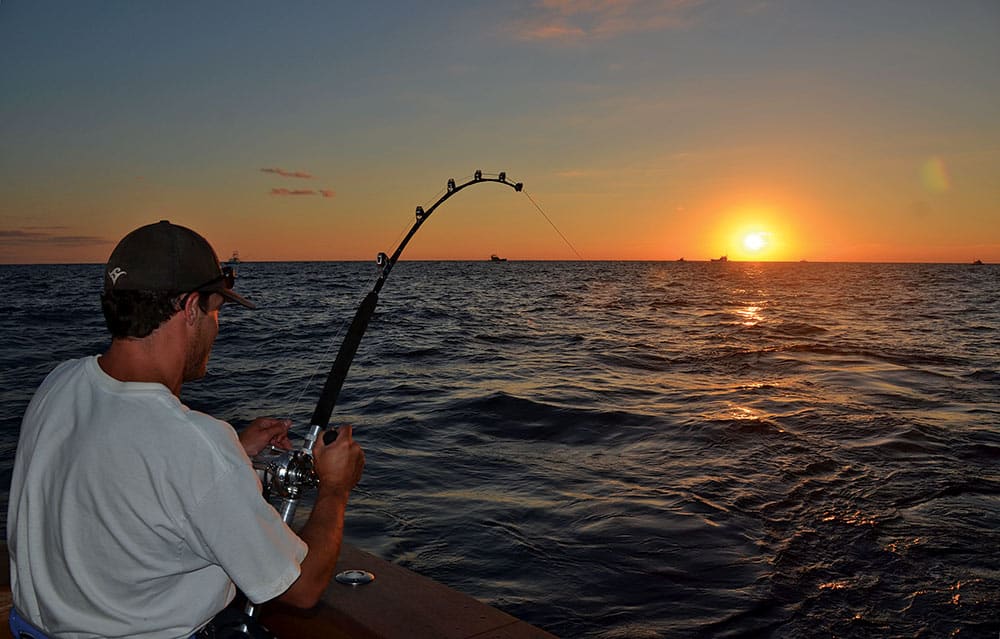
x=139 y=313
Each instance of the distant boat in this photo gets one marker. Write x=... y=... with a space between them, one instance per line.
x=724 y=258
x=680 y=259
x=232 y=262
x=496 y=258
x=978 y=262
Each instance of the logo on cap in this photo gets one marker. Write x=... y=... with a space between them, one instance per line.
x=115 y=273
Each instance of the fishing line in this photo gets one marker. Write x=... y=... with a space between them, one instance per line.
x=323 y=358
x=580 y=257
x=336 y=335
x=359 y=324
x=349 y=346
x=266 y=322
x=333 y=340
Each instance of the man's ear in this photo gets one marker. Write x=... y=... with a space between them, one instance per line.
x=191 y=307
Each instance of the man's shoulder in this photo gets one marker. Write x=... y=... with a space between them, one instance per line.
x=210 y=427
x=69 y=367
x=214 y=434
x=62 y=376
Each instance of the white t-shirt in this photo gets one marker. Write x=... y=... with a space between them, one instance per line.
x=132 y=515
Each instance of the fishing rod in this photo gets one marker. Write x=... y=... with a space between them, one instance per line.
x=284 y=474
x=338 y=373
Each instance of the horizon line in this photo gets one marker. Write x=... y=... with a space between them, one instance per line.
x=556 y=260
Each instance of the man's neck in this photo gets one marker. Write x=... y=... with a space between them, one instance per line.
x=157 y=358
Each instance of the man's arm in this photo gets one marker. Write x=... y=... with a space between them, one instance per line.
x=339 y=466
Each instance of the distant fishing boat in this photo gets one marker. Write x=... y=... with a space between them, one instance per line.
x=496 y=258
x=724 y=258
x=978 y=262
x=232 y=263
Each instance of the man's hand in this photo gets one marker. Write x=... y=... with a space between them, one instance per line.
x=339 y=463
x=264 y=431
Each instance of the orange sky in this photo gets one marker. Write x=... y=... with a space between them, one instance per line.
x=645 y=130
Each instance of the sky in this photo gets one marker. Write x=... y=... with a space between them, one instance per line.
x=642 y=130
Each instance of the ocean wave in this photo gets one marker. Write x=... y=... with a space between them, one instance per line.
x=985 y=375
x=628 y=449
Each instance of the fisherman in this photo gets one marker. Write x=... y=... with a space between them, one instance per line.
x=132 y=515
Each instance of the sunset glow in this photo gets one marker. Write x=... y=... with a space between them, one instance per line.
x=643 y=130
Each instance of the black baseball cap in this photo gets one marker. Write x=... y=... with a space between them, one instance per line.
x=168 y=257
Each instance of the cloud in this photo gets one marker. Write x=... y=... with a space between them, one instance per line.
x=296 y=174
x=575 y=20
x=321 y=192
x=293 y=192
x=47 y=236
x=552 y=32
x=289 y=174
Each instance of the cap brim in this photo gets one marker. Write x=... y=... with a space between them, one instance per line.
x=235 y=297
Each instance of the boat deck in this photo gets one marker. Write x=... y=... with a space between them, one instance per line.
x=398 y=604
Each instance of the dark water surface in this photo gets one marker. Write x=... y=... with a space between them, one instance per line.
x=629 y=450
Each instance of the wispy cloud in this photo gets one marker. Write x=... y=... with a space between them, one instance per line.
x=280 y=191
x=321 y=192
x=293 y=192
x=574 y=20
x=47 y=236
x=289 y=174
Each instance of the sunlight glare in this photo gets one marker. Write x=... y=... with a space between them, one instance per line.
x=754 y=232
x=754 y=242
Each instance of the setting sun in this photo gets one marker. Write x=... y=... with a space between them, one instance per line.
x=754 y=242
x=761 y=231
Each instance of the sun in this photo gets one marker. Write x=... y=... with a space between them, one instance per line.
x=756 y=241
x=752 y=232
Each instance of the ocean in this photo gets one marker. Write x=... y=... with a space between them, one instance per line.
x=628 y=450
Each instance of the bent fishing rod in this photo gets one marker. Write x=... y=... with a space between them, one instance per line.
x=348 y=348
x=286 y=473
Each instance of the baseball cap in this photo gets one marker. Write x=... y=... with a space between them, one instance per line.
x=168 y=257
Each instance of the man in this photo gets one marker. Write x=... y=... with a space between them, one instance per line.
x=130 y=514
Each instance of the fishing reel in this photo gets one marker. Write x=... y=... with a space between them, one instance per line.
x=286 y=473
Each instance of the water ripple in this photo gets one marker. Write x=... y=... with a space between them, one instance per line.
x=638 y=450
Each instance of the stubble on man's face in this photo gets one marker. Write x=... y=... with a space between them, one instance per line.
x=200 y=348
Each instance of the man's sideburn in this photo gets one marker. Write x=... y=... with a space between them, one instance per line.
x=200 y=347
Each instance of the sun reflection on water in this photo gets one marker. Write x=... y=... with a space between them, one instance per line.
x=751 y=315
